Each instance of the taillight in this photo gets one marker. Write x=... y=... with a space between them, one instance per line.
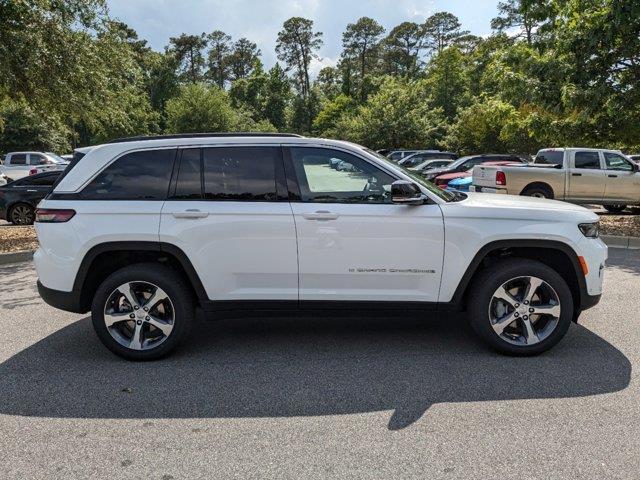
x=33 y=171
x=501 y=178
x=54 y=215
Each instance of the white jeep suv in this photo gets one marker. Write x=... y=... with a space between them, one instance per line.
x=147 y=232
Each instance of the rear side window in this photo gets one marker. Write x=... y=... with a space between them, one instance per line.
x=18 y=159
x=550 y=157
x=141 y=175
x=240 y=173
x=587 y=160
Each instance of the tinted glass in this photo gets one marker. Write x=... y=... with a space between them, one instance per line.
x=188 y=184
x=587 y=160
x=353 y=181
x=135 y=176
x=617 y=162
x=19 y=159
x=240 y=173
x=41 y=181
x=550 y=157
x=35 y=159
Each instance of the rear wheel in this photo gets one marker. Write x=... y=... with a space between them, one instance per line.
x=22 y=214
x=142 y=312
x=615 y=208
x=520 y=307
x=538 y=191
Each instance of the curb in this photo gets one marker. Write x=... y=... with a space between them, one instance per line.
x=618 y=241
x=15 y=257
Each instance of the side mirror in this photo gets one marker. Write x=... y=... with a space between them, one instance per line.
x=406 y=193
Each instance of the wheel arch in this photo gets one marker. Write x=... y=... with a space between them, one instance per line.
x=555 y=254
x=105 y=258
x=543 y=185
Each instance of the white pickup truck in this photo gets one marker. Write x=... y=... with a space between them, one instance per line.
x=577 y=175
x=20 y=164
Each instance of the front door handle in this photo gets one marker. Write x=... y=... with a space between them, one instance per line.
x=320 y=215
x=576 y=174
x=190 y=213
x=613 y=176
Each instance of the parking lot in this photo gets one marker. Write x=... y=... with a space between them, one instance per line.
x=321 y=397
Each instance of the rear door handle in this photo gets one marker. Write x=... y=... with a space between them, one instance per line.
x=320 y=215
x=32 y=191
x=613 y=176
x=576 y=174
x=190 y=213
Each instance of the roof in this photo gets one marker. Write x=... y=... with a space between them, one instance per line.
x=203 y=135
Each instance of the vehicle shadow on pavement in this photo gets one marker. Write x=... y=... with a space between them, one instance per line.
x=300 y=367
x=625 y=260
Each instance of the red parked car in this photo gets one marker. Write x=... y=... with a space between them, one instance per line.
x=442 y=181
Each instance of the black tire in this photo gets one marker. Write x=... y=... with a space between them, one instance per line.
x=176 y=288
x=22 y=214
x=615 y=208
x=490 y=279
x=539 y=191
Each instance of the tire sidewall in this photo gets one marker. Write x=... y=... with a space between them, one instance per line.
x=488 y=283
x=160 y=276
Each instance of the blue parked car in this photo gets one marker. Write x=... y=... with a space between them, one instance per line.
x=460 y=184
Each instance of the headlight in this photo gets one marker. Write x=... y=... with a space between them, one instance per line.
x=589 y=230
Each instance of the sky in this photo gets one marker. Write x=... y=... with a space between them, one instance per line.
x=260 y=21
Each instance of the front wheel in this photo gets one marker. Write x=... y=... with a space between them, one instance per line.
x=142 y=312
x=22 y=214
x=520 y=307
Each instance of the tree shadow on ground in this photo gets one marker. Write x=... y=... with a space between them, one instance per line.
x=300 y=367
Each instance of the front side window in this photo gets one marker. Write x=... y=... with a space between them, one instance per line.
x=587 y=160
x=240 y=173
x=141 y=175
x=353 y=180
x=35 y=159
x=617 y=162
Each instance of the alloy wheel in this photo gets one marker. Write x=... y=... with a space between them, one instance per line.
x=139 y=315
x=22 y=215
x=524 y=311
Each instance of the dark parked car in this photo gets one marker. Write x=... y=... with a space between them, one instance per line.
x=420 y=157
x=18 y=199
x=465 y=163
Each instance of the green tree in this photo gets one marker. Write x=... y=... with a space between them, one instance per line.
x=402 y=49
x=524 y=15
x=329 y=82
x=199 y=108
x=332 y=112
x=447 y=82
x=276 y=97
x=360 y=43
x=218 y=65
x=397 y=116
x=297 y=45
x=243 y=58
x=188 y=50
x=443 y=30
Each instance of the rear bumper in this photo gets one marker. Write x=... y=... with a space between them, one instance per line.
x=68 y=301
x=477 y=189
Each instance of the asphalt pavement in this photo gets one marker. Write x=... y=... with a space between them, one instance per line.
x=295 y=398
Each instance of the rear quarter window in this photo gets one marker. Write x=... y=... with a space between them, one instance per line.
x=549 y=157
x=143 y=175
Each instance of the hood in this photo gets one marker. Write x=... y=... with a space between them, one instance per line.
x=487 y=205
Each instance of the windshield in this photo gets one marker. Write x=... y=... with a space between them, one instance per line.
x=55 y=158
x=443 y=194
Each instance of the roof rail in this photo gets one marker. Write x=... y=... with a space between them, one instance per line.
x=201 y=135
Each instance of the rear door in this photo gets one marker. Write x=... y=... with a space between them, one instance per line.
x=586 y=177
x=622 y=182
x=228 y=211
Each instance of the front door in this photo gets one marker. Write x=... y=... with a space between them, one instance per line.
x=353 y=242
x=228 y=216
x=586 y=177
x=623 y=182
